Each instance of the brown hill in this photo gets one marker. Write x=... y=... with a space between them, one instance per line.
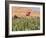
x=19 y=11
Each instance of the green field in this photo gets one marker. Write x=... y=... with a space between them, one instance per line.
x=26 y=24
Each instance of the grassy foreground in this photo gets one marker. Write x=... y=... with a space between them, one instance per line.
x=26 y=24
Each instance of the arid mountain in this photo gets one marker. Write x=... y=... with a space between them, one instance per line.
x=22 y=11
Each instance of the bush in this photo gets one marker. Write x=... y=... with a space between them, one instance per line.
x=26 y=24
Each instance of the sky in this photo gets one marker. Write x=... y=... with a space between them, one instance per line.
x=35 y=9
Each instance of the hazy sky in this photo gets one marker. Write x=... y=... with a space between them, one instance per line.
x=35 y=9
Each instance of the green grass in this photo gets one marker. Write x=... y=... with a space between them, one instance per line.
x=26 y=24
